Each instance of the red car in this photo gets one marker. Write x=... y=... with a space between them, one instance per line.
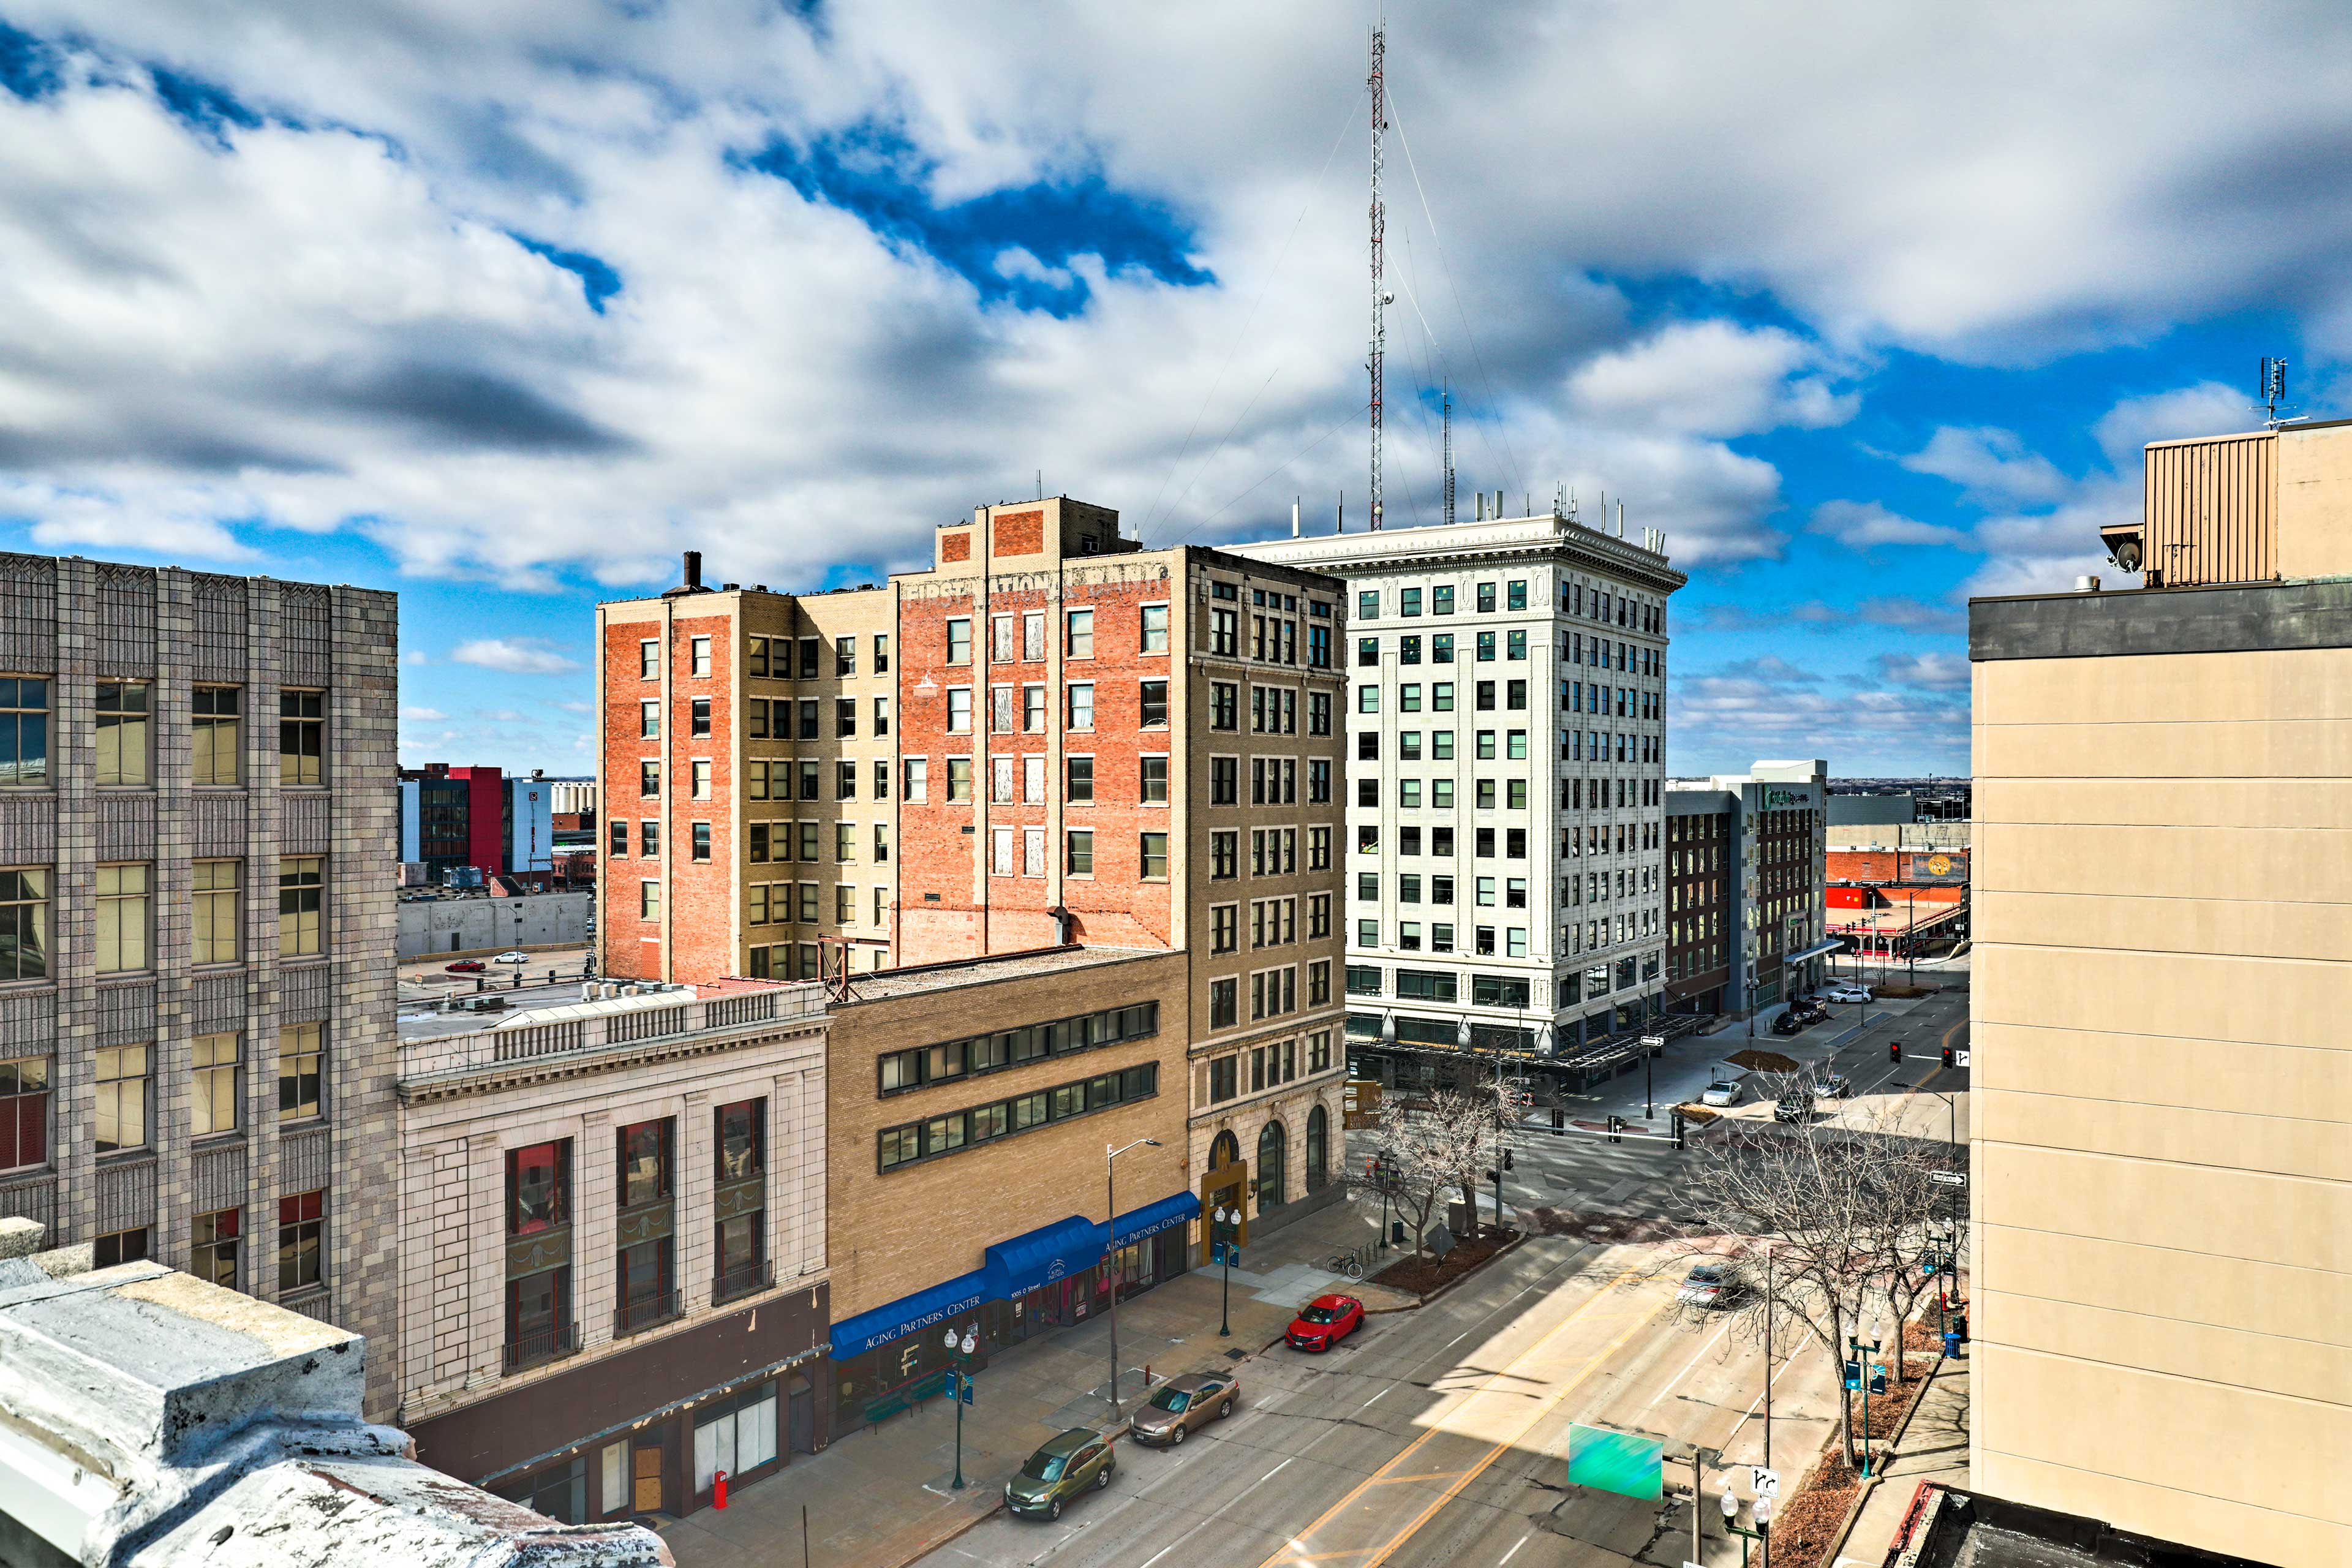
x=464 y=966
x=1324 y=1322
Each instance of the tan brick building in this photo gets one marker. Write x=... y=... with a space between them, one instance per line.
x=1104 y=744
x=972 y=1106
x=2163 y=1090
x=745 y=764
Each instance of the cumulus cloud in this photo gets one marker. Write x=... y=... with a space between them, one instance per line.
x=1991 y=465
x=1711 y=378
x=515 y=656
x=1938 y=671
x=421 y=715
x=1863 y=525
x=2207 y=408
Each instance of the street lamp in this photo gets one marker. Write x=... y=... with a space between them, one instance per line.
x=957 y=1376
x=1857 y=1346
x=1110 y=1195
x=1226 y=1225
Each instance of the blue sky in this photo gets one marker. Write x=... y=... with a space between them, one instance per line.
x=1869 y=307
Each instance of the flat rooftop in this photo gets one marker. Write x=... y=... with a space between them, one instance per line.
x=884 y=983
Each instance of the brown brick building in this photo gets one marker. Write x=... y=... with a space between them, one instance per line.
x=1702 y=855
x=1133 y=748
x=745 y=770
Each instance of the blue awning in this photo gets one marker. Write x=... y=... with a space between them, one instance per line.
x=947 y=1299
x=1153 y=1218
x=1014 y=1268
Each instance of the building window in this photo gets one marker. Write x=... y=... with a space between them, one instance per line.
x=301 y=1227
x=699 y=656
x=1155 y=628
x=702 y=842
x=123 y=1099
x=1224 y=705
x=649 y=780
x=301 y=1071
x=24 y=731
x=1081 y=705
x=1155 y=857
x=649 y=838
x=1368 y=699
x=699 y=716
x=213 y=1091
x=881 y=653
x=1081 y=852
x=217 y=735
x=24 y=1112
x=958 y=710
x=1082 y=634
x=700 y=780
x=24 y=924
x=212 y=1247
x=649 y=660
x=301 y=902
x=960 y=639
x=1154 y=775
x=1224 y=856
x=123 y=1247
x=916 y=790
x=845 y=718
x=1225 y=1003
x=538 y=1188
x=219 y=913
x=959 y=778
x=844 y=657
x=122 y=926
x=123 y=708
x=1154 y=711
x=301 y=737
x=644 y=1173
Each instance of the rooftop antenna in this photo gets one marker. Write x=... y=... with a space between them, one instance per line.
x=1445 y=404
x=1380 y=224
x=2272 y=393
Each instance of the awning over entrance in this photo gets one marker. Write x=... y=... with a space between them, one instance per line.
x=1153 y=1218
x=1051 y=1252
x=1816 y=951
x=908 y=1314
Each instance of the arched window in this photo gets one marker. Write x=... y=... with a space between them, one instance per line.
x=1319 y=1134
x=1226 y=1150
x=1272 y=1162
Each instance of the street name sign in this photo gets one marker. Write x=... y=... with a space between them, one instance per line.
x=1949 y=1178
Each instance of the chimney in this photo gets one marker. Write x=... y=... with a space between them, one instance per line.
x=694 y=568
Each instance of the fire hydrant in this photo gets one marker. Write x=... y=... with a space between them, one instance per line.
x=719 y=1488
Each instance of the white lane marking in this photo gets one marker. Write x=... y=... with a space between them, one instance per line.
x=1277 y=1470
x=1454 y=1340
x=1776 y=1378
x=1375 y=1399
x=1158 y=1554
x=1687 y=1366
x=1514 y=1552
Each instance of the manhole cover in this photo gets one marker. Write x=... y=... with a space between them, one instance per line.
x=1237 y=1355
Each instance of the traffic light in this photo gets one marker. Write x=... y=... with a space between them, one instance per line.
x=1508 y=1164
x=1894 y=1050
x=1948 y=1056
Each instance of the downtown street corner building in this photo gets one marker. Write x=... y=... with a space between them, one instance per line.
x=1505 y=849
x=1747 y=908
x=2162 y=968
x=197 y=823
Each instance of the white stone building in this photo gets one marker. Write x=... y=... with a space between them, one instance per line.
x=1505 y=786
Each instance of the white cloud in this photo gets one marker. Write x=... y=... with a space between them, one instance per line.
x=1939 y=671
x=1863 y=525
x=2207 y=408
x=516 y=655
x=1992 y=466
x=421 y=715
x=414 y=655
x=1710 y=378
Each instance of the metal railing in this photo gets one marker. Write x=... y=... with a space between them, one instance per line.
x=742 y=1280
x=642 y=1313
x=603 y=1025
x=543 y=1345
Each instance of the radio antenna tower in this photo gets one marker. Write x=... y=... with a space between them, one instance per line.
x=1446 y=406
x=2273 y=384
x=1380 y=224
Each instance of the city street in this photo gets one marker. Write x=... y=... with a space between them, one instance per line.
x=1440 y=1436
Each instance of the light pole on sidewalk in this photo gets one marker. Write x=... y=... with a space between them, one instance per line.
x=1227 y=1226
x=1110 y=1240
x=957 y=1376
x=1857 y=1345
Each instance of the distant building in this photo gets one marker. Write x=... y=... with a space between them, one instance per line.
x=1752 y=932
x=455 y=819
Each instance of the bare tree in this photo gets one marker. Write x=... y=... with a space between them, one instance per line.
x=1837 y=1202
x=1425 y=1148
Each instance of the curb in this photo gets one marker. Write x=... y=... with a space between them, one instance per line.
x=1503 y=1251
x=1893 y=1450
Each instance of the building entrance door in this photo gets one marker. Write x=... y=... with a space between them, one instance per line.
x=645 y=1487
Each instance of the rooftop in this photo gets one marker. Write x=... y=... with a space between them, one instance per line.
x=443 y=1054
x=1404 y=547
x=884 y=983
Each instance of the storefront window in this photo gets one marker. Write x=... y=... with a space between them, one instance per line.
x=737 y=1436
x=1273 y=1160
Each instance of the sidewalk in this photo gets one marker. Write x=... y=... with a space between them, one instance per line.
x=1934 y=1448
x=879 y=1497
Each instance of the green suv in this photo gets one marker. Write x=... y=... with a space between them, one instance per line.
x=1064 y=1467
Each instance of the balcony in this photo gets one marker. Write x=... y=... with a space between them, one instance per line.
x=541 y=1346
x=742 y=1280
x=642 y=1312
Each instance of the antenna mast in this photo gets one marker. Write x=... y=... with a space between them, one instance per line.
x=1446 y=401
x=2273 y=386
x=1380 y=224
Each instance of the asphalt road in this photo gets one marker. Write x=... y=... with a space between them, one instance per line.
x=1440 y=1437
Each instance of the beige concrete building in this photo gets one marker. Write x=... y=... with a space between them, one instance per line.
x=2162 y=1083
x=746 y=770
x=612 y=1266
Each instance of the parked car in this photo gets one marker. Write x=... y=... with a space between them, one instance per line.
x=464 y=966
x=1836 y=1086
x=1710 y=1285
x=1722 y=1092
x=512 y=955
x=1324 y=1322
x=1796 y=1106
x=1068 y=1464
x=1848 y=993
x=1180 y=1403
x=1790 y=1023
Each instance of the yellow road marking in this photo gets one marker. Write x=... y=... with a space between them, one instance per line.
x=1496 y=1452
x=1494 y=1379
x=1424 y=1476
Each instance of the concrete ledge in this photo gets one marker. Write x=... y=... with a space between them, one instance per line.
x=2233 y=617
